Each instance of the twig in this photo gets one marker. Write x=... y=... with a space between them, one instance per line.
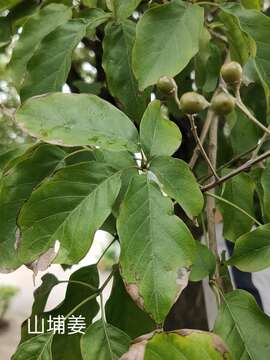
x=248 y=114
x=260 y=144
x=245 y=110
x=211 y=204
x=235 y=172
x=203 y=135
x=228 y=163
x=233 y=205
x=198 y=141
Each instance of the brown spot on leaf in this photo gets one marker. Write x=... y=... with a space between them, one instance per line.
x=137 y=349
x=134 y=293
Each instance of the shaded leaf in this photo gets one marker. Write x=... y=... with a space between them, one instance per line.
x=5 y=31
x=265 y=183
x=103 y=341
x=204 y=263
x=54 y=119
x=252 y=250
x=122 y=312
x=156 y=248
x=8 y=4
x=169 y=35
x=38 y=347
x=70 y=207
x=117 y=46
x=16 y=186
x=39 y=25
x=179 y=183
x=257 y=26
x=238 y=190
x=48 y=69
x=244 y=327
x=158 y=135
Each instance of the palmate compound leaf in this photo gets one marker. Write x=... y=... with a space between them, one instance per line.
x=158 y=135
x=182 y=344
x=77 y=119
x=179 y=183
x=70 y=207
x=244 y=327
x=40 y=24
x=103 y=341
x=252 y=250
x=16 y=185
x=169 y=34
x=156 y=248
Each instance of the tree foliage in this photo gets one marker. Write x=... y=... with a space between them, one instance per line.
x=166 y=119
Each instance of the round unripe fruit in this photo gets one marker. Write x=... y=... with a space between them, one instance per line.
x=167 y=85
x=231 y=73
x=192 y=103
x=223 y=103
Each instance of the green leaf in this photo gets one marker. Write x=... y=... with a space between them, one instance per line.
x=122 y=312
x=204 y=264
x=252 y=4
x=239 y=42
x=103 y=341
x=257 y=26
x=179 y=345
x=48 y=69
x=5 y=31
x=265 y=183
x=10 y=152
x=39 y=25
x=169 y=34
x=70 y=207
x=243 y=326
x=244 y=134
x=124 y=8
x=54 y=119
x=41 y=294
x=38 y=347
x=252 y=250
x=68 y=346
x=16 y=185
x=8 y=4
x=148 y=230
x=179 y=183
x=238 y=190
x=117 y=46
x=158 y=135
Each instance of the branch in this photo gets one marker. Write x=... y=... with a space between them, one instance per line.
x=203 y=135
x=199 y=144
x=235 y=172
x=211 y=203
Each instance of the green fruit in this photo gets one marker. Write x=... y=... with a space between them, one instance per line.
x=192 y=103
x=231 y=73
x=167 y=85
x=223 y=103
